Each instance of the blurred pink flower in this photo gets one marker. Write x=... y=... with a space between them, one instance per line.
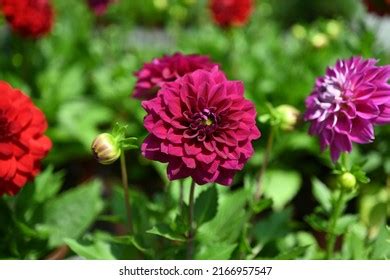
x=167 y=69
x=99 y=7
x=347 y=102
x=202 y=126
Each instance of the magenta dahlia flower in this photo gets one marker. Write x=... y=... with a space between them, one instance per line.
x=167 y=69
x=347 y=102
x=202 y=126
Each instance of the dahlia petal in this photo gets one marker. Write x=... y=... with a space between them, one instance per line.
x=206 y=158
x=189 y=162
x=367 y=110
x=192 y=149
x=384 y=116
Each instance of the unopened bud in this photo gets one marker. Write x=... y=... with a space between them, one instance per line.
x=319 y=40
x=347 y=181
x=106 y=149
x=288 y=115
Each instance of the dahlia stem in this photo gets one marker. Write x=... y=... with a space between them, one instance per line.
x=191 y=231
x=331 y=236
x=266 y=157
x=181 y=194
x=125 y=184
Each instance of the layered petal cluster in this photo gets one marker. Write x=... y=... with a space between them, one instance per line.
x=202 y=126
x=99 y=7
x=347 y=102
x=30 y=18
x=22 y=142
x=379 y=7
x=227 y=13
x=167 y=69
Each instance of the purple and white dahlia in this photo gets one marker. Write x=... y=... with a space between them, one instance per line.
x=347 y=102
x=202 y=126
x=167 y=69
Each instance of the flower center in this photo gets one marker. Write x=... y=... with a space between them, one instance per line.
x=203 y=123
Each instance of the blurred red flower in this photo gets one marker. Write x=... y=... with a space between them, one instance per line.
x=30 y=18
x=22 y=142
x=379 y=7
x=228 y=13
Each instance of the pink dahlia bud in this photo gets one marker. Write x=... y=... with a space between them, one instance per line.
x=106 y=148
x=347 y=102
x=30 y=18
x=227 y=13
x=167 y=69
x=202 y=126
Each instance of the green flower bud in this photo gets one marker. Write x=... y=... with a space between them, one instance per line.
x=106 y=148
x=319 y=40
x=288 y=116
x=347 y=181
x=299 y=31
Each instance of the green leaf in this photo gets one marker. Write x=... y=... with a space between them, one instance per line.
x=322 y=194
x=99 y=250
x=70 y=214
x=281 y=186
x=77 y=124
x=381 y=245
x=226 y=226
x=344 y=222
x=166 y=232
x=102 y=246
x=206 y=205
x=47 y=184
x=354 y=246
x=272 y=227
x=215 y=251
x=293 y=253
x=261 y=205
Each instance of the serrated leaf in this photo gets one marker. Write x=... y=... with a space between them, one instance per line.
x=206 y=205
x=294 y=253
x=47 y=184
x=226 y=226
x=166 y=232
x=70 y=214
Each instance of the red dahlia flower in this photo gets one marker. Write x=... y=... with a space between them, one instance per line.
x=379 y=7
x=30 y=18
x=202 y=126
x=22 y=143
x=228 y=13
x=347 y=102
x=167 y=69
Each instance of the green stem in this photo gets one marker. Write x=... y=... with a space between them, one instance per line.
x=331 y=236
x=266 y=157
x=125 y=184
x=191 y=231
x=181 y=194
